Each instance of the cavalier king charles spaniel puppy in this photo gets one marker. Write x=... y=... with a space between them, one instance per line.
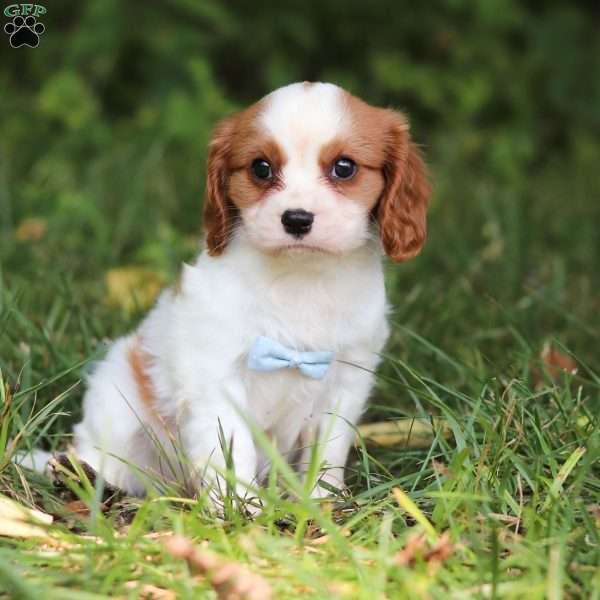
x=278 y=325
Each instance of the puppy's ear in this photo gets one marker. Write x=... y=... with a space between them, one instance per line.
x=219 y=212
x=402 y=208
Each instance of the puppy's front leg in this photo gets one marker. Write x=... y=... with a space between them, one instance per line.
x=336 y=428
x=214 y=433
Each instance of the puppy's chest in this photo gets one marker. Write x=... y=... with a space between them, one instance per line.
x=307 y=316
x=302 y=318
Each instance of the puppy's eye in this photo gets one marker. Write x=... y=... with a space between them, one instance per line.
x=262 y=169
x=343 y=168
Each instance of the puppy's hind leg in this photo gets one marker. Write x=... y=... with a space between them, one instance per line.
x=113 y=437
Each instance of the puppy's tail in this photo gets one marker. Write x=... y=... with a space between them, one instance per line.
x=37 y=459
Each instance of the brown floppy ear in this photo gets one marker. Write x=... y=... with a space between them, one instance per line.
x=402 y=208
x=219 y=212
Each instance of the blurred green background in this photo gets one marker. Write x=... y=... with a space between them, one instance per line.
x=104 y=129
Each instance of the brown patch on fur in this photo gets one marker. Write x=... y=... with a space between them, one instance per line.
x=219 y=212
x=379 y=140
x=243 y=188
x=236 y=142
x=140 y=362
x=363 y=141
x=402 y=209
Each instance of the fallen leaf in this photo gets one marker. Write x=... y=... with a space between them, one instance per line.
x=324 y=539
x=415 y=546
x=31 y=229
x=230 y=580
x=441 y=550
x=81 y=508
x=9 y=509
x=151 y=592
x=555 y=363
x=414 y=433
x=133 y=287
x=418 y=548
x=18 y=521
x=20 y=529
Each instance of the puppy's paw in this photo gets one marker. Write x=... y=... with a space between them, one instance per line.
x=66 y=470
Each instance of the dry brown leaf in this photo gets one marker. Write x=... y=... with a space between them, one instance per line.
x=78 y=507
x=414 y=433
x=418 y=547
x=133 y=287
x=555 y=362
x=9 y=509
x=415 y=546
x=441 y=550
x=21 y=529
x=81 y=508
x=18 y=521
x=324 y=539
x=231 y=580
x=151 y=592
x=31 y=229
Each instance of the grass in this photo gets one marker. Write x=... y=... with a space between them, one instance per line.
x=509 y=268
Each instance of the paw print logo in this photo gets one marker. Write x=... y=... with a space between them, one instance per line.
x=24 y=31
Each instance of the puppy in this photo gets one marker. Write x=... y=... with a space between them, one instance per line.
x=278 y=325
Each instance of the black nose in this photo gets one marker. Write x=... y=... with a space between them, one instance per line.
x=297 y=222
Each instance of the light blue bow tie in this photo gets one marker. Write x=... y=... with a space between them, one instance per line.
x=268 y=355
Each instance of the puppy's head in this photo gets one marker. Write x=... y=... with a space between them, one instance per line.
x=310 y=168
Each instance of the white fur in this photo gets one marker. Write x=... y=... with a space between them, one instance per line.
x=199 y=337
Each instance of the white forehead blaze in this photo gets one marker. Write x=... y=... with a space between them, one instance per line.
x=302 y=117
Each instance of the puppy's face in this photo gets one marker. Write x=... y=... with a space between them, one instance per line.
x=312 y=168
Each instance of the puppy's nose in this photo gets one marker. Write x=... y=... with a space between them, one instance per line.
x=297 y=222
